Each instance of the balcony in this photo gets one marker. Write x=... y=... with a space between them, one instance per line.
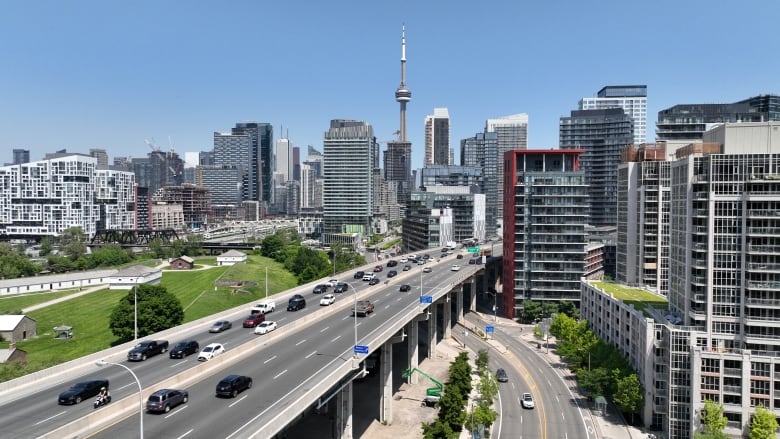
x=753 y=248
x=732 y=371
x=763 y=267
x=763 y=303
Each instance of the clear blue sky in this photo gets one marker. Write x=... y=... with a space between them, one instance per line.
x=108 y=74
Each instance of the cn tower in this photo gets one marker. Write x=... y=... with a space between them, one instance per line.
x=402 y=94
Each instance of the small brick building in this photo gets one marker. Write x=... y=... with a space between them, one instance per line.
x=182 y=263
x=15 y=328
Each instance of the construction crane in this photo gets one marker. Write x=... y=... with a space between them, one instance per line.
x=432 y=394
x=152 y=144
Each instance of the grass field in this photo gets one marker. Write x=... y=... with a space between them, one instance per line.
x=89 y=314
x=640 y=299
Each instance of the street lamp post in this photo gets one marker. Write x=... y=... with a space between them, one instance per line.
x=135 y=312
x=266 y=282
x=101 y=363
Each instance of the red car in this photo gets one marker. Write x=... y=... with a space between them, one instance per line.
x=377 y=269
x=253 y=320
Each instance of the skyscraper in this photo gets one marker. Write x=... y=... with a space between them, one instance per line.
x=398 y=157
x=101 y=156
x=602 y=134
x=511 y=133
x=349 y=147
x=284 y=162
x=437 y=137
x=631 y=98
x=21 y=156
x=260 y=163
x=481 y=152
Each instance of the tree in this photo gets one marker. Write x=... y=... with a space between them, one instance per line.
x=712 y=420
x=482 y=359
x=569 y=308
x=271 y=247
x=438 y=429
x=47 y=245
x=451 y=407
x=59 y=263
x=531 y=311
x=157 y=310
x=72 y=243
x=193 y=245
x=110 y=255
x=628 y=395
x=157 y=249
x=595 y=381
x=763 y=425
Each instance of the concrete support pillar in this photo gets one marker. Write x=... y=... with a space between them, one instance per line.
x=447 y=316
x=344 y=413
x=412 y=335
x=386 y=384
x=473 y=290
x=458 y=296
x=432 y=330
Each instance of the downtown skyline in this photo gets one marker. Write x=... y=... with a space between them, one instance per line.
x=92 y=75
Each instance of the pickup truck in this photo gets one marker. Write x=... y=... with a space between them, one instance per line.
x=146 y=349
x=363 y=308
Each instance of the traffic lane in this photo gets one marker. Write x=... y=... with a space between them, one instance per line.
x=564 y=414
x=306 y=353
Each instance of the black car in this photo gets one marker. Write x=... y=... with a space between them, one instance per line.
x=501 y=376
x=81 y=391
x=407 y=267
x=166 y=399
x=222 y=325
x=359 y=275
x=184 y=348
x=391 y=273
x=373 y=281
x=341 y=287
x=231 y=385
x=392 y=263
x=405 y=287
x=319 y=289
x=296 y=302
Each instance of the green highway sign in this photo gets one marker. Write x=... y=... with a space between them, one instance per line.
x=473 y=249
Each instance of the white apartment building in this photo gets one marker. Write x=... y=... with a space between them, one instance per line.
x=631 y=98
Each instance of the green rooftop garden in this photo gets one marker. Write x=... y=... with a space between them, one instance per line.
x=637 y=297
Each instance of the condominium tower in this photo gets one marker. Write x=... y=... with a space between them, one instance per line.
x=511 y=133
x=437 y=137
x=631 y=98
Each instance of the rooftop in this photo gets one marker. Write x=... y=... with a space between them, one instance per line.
x=637 y=297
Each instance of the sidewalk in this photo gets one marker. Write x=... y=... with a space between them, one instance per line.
x=609 y=425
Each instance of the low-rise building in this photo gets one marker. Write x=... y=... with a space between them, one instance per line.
x=231 y=257
x=14 y=328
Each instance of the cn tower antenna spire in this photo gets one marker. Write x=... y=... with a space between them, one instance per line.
x=402 y=94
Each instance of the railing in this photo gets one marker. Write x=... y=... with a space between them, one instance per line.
x=732 y=371
x=762 y=302
x=755 y=266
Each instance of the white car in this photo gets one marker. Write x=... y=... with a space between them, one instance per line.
x=455 y=267
x=333 y=282
x=265 y=327
x=327 y=299
x=427 y=270
x=403 y=260
x=527 y=400
x=264 y=307
x=211 y=351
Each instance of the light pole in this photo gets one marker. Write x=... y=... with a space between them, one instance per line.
x=354 y=315
x=135 y=312
x=266 y=282
x=101 y=363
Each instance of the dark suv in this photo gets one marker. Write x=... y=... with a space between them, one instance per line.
x=341 y=288
x=184 y=348
x=232 y=384
x=166 y=399
x=319 y=289
x=392 y=263
x=359 y=275
x=296 y=302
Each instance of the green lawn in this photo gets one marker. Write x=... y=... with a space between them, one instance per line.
x=89 y=314
x=15 y=303
x=634 y=296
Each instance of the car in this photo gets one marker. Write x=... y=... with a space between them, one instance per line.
x=253 y=320
x=333 y=282
x=421 y=262
x=184 y=348
x=501 y=376
x=265 y=327
x=374 y=281
x=472 y=261
x=528 y=401
x=231 y=385
x=427 y=270
x=222 y=325
x=166 y=399
x=405 y=287
x=378 y=269
x=404 y=260
x=391 y=273
x=426 y=256
x=369 y=276
x=296 y=302
x=392 y=263
x=319 y=289
x=341 y=288
x=81 y=391
x=460 y=256
x=407 y=267
x=455 y=267
x=264 y=307
x=210 y=351
x=359 y=275
x=327 y=299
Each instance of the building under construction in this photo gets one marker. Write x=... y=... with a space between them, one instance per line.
x=195 y=201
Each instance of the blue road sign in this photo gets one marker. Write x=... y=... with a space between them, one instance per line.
x=426 y=299
x=361 y=349
x=489 y=329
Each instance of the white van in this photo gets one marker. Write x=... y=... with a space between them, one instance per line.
x=264 y=307
x=369 y=276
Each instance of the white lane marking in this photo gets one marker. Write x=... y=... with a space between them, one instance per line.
x=345 y=318
x=178 y=363
x=556 y=398
x=359 y=324
x=176 y=411
x=50 y=418
x=125 y=386
x=282 y=319
x=280 y=374
x=501 y=416
x=335 y=339
x=300 y=342
x=269 y=360
x=324 y=329
x=313 y=353
x=185 y=434
x=244 y=397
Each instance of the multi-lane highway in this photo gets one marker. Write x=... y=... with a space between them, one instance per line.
x=283 y=364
